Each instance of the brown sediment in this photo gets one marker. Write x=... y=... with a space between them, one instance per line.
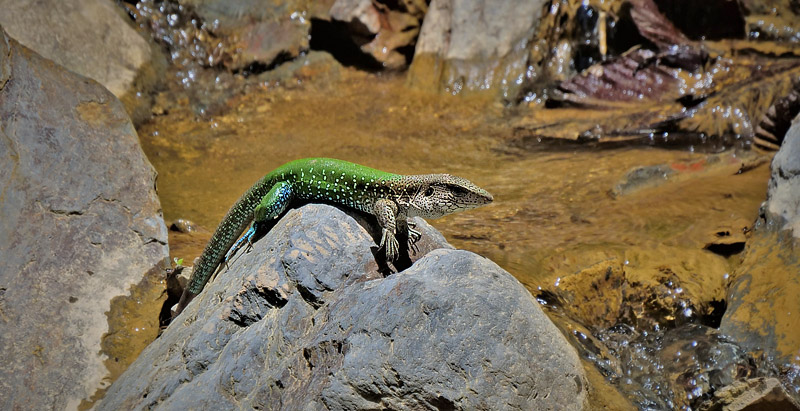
x=133 y=324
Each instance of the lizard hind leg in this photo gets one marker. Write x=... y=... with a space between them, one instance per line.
x=271 y=206
x=247 y=238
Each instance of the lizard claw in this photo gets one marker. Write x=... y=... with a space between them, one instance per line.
x=413 y=235
x=413 y=247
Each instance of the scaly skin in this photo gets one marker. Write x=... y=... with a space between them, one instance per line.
x=391 y=198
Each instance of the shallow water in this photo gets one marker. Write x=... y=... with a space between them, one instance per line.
x=549 y=198
x=555 y=212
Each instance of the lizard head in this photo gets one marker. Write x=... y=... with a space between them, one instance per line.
x=438 y=195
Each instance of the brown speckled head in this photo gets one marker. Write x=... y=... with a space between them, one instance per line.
x=441 y=194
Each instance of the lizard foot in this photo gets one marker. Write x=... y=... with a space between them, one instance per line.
x=389 y=241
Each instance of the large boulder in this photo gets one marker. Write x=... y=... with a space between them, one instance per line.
x=475 y=46
x=307 y=321
x=80 y=223
x=763 y=305
x=91 y=38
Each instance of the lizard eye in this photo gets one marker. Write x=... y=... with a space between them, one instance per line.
x=429 y=192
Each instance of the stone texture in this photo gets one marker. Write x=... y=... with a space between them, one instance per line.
x=91 y=38
x=79 y=222
x=307 y=321
x=255 y=32
x=763 y=306
x=475 y=45
x=783 y=201
x=752 y=395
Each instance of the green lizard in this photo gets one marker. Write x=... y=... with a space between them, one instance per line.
x=391 y=198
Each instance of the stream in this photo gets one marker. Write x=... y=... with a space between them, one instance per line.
x=628 y=235
x=559 y=208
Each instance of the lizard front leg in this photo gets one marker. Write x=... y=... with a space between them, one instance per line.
x=386 y=212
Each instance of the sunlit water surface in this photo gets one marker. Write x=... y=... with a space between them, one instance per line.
x=553 y=214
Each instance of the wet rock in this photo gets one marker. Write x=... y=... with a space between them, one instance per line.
x=252 y=37
x=646 y=290
x=475 y=46
x=763 y=304
x=92 y=38
x=81 y=223
x=676 y=368
x=752 y=394
x=307 y=321
x=261 y=33
x=594 y=295
x=641 y=177
x=387 y=31
x=183 y=226
x=317 y=66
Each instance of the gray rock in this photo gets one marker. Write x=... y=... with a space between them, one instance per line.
x=762 y=299
x=91 y=38
x=307 y=321
x=475 y=45
x=783 y=197
x=80 y=222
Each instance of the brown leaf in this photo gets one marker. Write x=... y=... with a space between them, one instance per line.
x=654 y=26
x=628 y=78
x=638 y=77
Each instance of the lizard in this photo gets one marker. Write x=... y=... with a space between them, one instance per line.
x=391 y=198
